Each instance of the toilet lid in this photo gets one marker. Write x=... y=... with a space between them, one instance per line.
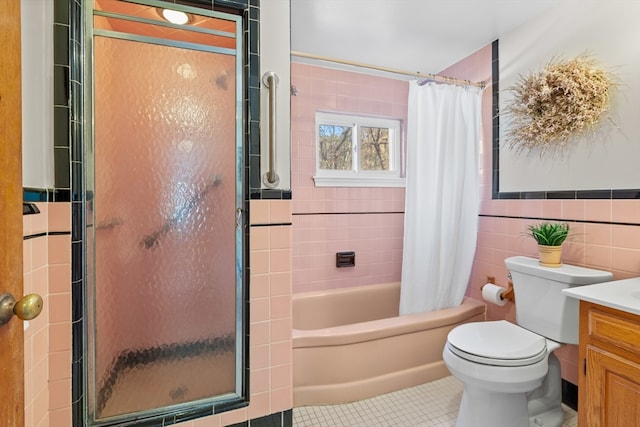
x=499 y=343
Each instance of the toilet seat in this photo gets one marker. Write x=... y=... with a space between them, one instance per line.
x=497 y=343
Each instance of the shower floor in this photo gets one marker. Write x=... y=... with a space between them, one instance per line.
x=166 y=383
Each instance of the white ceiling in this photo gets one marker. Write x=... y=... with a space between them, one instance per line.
x=412 y=35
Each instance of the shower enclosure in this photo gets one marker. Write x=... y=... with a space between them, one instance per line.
x=164 y=211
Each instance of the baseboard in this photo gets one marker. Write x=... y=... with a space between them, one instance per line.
x=279 y=419
x=570 y=394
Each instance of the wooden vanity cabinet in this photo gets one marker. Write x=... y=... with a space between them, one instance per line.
x=609 y=381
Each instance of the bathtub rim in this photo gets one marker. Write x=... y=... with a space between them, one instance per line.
x=381 y=328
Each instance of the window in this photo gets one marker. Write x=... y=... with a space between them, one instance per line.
x=355 y=151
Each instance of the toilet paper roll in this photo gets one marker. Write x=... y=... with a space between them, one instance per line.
x=493 y=294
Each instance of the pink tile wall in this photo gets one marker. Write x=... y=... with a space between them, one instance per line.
x=36 y=334
x=329 y=220
x=59 y=250
x=270 y=289
x=375 y=238
x=47 y=271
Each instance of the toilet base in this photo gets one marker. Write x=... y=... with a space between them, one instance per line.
x=545 y=402
x=503 y=410
x=483 y=408
x=541 y=407
x=551 y=418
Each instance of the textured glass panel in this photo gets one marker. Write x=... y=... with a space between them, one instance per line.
x=335 y=147
x=165 y=230
x=374 y=148
x=122 y=25
x=154 y=14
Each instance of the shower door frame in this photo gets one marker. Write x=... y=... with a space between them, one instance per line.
x=215 y=404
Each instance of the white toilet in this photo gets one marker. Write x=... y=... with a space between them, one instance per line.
x=511 y=376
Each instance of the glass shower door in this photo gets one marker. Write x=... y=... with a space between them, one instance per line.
x=166 y=300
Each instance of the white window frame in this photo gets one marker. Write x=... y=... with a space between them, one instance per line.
x=356 y=177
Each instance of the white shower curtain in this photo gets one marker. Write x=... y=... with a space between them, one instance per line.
x=442 y=195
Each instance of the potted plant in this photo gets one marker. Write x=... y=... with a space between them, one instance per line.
x=550 y=236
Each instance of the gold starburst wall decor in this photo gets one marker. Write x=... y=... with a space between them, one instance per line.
x=564 y=100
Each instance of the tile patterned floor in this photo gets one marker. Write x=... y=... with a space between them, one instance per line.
x=433 y=404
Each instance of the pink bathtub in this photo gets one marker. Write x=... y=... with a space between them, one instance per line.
x=350 y=344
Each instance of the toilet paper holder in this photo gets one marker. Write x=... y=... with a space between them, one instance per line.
x=509 y=294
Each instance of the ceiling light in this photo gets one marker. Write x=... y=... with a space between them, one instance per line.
x=175 y=16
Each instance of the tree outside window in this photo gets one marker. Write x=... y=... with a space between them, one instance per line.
x=357 y=151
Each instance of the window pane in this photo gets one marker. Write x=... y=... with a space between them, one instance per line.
x=335 y=147
x=374 y=149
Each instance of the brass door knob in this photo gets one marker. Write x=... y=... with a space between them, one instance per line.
x=27 y=308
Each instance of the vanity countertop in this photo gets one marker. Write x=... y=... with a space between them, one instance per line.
x=619 y=294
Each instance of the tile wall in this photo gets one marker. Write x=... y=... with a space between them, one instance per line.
x=327 y=220
x=47 y=272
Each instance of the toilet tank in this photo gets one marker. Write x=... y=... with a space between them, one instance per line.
x=540 y=305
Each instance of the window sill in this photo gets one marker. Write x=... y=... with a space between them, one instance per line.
x=358 y=182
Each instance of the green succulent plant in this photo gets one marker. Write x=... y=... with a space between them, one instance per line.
x=549 y=233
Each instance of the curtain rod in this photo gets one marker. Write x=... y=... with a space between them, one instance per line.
x=426 y=76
